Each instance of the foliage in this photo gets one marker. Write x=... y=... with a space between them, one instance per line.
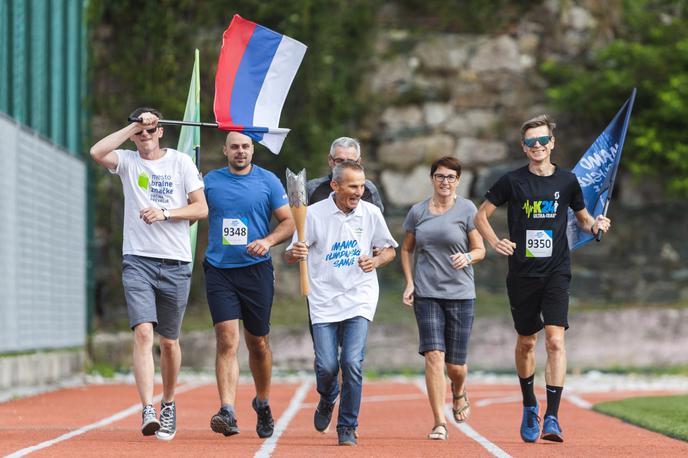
x=666 y=414
x=465 y=16
x=141 y=54
x=650 y=52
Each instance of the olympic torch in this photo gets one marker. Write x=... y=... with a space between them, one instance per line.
x=296 y=190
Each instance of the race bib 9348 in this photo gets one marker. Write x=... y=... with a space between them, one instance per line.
x=234 y=231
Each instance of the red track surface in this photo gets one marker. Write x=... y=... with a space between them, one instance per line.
x=395 y=417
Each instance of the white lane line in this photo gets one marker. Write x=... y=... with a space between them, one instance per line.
x=270 y=443
x=376 y=398
x=577 y=401
x=502 y=400
x=99 y=424
x=492 y=448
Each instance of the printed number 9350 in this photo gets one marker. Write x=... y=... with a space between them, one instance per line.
x=539 y=243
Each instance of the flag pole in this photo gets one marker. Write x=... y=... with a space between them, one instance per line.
x=624 y=130
x=170 y=122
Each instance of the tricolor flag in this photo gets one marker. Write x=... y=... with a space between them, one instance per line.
x=596 y=172
x=254 y=73
x=190 y=136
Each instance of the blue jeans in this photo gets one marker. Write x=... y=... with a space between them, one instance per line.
x=351 y=336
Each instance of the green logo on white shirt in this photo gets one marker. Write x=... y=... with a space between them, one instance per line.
x=143 y=181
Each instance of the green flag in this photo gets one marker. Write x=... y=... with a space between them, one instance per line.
x=190 y=136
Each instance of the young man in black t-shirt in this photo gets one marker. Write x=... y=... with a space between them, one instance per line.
x=538 y=196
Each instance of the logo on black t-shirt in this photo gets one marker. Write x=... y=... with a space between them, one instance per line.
x=539 y=209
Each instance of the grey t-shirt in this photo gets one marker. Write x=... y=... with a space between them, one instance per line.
x=437 y=238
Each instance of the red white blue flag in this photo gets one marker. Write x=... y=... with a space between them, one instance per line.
x=254 y=73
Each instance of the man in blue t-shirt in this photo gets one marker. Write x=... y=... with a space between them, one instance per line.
x=239 y=278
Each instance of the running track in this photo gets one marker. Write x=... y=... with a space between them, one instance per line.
x=104 y=420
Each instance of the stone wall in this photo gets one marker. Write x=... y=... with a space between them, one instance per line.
x=436 y=94
x=464 y=95
x=637 y=337
x=40 y=368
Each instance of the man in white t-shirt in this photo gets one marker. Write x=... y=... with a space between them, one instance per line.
x=341 y=232
x=163 y=191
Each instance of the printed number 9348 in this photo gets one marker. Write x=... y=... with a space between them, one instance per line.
x=234 y=231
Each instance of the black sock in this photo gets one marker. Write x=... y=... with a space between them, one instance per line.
x=553 y=398
x=528 y=391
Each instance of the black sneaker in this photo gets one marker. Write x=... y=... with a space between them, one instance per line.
x=323 y=416
x=347 y=436
x=265 y=424
x=168 y=422
x=225 y=423
x=149 y=421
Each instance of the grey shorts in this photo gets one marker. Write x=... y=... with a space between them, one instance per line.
x=156 y=291
x=445 y=325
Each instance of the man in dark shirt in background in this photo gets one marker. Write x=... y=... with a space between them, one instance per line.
x=342 y=149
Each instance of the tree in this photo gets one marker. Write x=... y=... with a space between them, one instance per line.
x=650 y=52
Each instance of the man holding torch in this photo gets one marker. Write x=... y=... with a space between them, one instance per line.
x=340 y=234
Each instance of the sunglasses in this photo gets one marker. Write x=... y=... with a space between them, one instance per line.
x=530 y=142
x=151 y=131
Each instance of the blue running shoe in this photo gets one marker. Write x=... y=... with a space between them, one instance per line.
x=530 y=424
x=551 y=431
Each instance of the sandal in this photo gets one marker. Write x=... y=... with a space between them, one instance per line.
x=459 y=411
x=439 y=432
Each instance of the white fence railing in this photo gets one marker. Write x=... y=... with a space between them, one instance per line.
x=42 y=243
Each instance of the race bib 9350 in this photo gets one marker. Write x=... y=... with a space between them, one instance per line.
x=539 y=244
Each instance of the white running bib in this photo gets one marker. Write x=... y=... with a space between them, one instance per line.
x=539 y=244
x=234 y=231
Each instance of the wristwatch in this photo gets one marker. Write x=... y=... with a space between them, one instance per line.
x=166 y=213
x=469 y=258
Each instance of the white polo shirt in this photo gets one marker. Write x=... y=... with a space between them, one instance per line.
x=160 y=183
x=339 y=288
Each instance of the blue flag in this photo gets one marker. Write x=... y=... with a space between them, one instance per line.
x=596 y=172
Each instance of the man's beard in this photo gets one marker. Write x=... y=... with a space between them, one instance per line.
x=235 y=166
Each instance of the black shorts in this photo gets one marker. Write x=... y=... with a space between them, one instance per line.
x=539 y=301
x=244 y=293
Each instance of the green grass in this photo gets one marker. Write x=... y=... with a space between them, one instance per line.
x=667 y=415
x=681 y=369
x=39 y=350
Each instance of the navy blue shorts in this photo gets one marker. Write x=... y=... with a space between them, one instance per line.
x=243 y=293
x=539 y=301
x=445 y=325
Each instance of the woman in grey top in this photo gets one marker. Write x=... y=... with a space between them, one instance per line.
x=441 y=236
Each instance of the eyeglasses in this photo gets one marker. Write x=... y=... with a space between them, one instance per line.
x=438 y=177
x=530 y=142
x=151 y=131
